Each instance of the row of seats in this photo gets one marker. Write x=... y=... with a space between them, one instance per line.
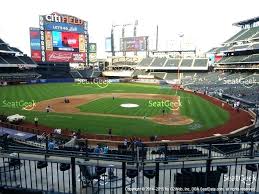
x=240 y=59
x=11 y=59
x=225 y=148
x=164 y=62
x=179 y=153
x=19 y=76
x=245 y=34
x=251 y=46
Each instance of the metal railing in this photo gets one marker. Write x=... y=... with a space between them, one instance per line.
x=54 y=171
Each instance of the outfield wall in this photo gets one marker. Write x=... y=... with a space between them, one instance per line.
x=65 y=80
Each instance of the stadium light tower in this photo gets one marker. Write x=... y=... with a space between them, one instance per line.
x=181 y=35
x=123 y=29
x=156 y=37
x=135 y=34
x=112 y=39
x=123 y=36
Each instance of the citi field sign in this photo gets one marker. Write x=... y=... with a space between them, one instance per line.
x=55 y=17
x=63 y=23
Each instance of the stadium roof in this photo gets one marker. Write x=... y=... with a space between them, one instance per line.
x=2 y=42
x=5 y=48
x=16 y=50
x=248 y=21
x=212 y=50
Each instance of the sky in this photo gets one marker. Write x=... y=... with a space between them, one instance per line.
x=204 y=23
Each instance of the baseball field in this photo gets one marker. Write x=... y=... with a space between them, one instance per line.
x=128 y=109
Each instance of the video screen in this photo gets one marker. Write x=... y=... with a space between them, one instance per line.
x=65 y=41
x=129 y=44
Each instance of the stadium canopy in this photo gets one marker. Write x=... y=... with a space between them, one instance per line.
x=2 y=42
x=247 y=22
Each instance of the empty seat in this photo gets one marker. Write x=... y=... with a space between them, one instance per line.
x=132 y=173
x=6 y=190
x=42 y=164
x=222 y=169
x=14 y=162
x=251 y=167
x=64 y=167
x=100 y=170
x=150 y=174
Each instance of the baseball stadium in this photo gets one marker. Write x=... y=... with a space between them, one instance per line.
x=167 y=121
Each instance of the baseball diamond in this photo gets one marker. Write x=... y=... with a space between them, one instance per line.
x=92 y=109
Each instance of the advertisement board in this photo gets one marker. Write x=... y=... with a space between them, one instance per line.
x=63 y=38
x=63 y=27
x=82 y=43
x=35 y=39
x=132 y=44
x=36 y=55
x=48 y=41
x=92 y=48
x=92 y=57
x=35 y=44
x=64 y=23
x=70 y=57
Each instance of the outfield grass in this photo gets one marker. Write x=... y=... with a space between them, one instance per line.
x=201 y=111
x=112 y=106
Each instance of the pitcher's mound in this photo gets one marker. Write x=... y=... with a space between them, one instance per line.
x=129 y=105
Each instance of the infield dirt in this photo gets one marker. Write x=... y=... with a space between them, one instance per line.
x=58 y=105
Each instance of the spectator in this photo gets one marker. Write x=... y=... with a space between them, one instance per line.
x=125 y=142
x=110 y=131
x=235 y=105
x=51 y=145
x=57 y=131
x=97 y=150
x=138 y=143
x=105 y=149
x=36 y=121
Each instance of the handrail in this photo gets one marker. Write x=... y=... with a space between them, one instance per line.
x=107 y=157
